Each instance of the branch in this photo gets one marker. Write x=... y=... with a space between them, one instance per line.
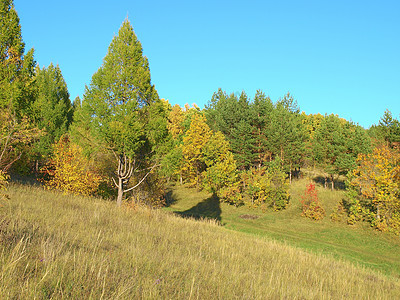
x=131 y=188
x=114 y=182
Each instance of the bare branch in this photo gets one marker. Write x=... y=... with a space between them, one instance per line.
x=147 y=174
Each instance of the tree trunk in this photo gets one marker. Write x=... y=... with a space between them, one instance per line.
x=120 y=192
x=332 y=183
x=326 y=182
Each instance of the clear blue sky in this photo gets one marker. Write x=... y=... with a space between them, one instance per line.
x=340 y=57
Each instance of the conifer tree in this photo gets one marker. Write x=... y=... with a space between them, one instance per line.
x=261 y=118
x=123 y=112
x=16 y=88
x=52 y=109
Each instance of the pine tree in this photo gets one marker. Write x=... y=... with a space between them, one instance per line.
x=288 y=134
x=122 y=110
x=261 y=117
x=336 y=145
x=390 y=129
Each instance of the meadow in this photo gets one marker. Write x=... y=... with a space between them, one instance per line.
x=359 y=244
x=56 y=246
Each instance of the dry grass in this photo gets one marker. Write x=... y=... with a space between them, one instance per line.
x=56 y=246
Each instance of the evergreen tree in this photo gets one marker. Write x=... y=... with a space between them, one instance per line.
x=390 y=129
x=261 y=118
x=231 y=116
x=52 y=109
x=122 y=110
x=336 y=145
x=16 y=88
x=288 y=134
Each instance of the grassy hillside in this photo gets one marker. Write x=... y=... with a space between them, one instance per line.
x=56 y=246
x=360 y=245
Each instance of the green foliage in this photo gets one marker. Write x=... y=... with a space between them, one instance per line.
x=16 y=69
x=389 y=129
x=336 y=144
x=52 y=109
x=121 y=111
x=311 y=206
x=267 y=186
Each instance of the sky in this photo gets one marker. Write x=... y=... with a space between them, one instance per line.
x=340 y=57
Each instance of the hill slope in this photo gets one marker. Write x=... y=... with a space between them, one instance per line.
x=358 y=244
x=69 y=247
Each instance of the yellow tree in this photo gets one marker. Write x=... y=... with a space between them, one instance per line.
x=69 y=171
x=175 y=121
x=378 y=179
x=194 y=141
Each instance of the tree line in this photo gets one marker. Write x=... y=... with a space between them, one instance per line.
x=122 y=141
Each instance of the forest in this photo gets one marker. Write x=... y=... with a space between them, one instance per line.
x=122 y=142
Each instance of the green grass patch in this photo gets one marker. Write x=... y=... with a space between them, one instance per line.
x=357 y=244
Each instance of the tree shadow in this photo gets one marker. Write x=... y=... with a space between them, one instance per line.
x=338 y=184
x=170 y=198
x=207 y=209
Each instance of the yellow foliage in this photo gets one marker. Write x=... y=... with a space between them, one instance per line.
x=69 y=170
x=378 y=179
x=3 y=185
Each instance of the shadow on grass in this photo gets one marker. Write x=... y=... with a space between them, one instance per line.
x=206 y=209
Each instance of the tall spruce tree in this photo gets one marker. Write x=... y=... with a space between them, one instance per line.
x=122 y=110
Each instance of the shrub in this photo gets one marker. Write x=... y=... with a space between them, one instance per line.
x=68 y=170
x=312 y=207
x=267 y=186
x=3 y=185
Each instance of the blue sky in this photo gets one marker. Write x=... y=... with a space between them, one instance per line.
x=340 y=57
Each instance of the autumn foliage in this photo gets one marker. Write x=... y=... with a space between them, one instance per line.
x=3 y=185
x=374 y=189
x=312 y=207
x=69 y=171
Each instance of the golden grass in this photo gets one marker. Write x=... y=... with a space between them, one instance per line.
x=57 y=246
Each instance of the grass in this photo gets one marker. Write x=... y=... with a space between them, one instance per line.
x=358 y=244
x=57 y=246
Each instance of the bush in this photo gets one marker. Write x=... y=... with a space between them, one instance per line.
x=69 y=170
x=267 y=186
x=312 y=207
x=3 y=185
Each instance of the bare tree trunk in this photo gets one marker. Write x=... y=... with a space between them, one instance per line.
x=125 y=170
x=332 y=183
x=120 y=192
x=326 y=182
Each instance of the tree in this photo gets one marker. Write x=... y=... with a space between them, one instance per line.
x=122 y=111
x=390 y=129
x=231 y=115
x=261 y=118
x=377 y=181
x=336 y=145
x=288 y=134
x=52 y=109
x=68 y=170
x=16 y=88
x=194 y=142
